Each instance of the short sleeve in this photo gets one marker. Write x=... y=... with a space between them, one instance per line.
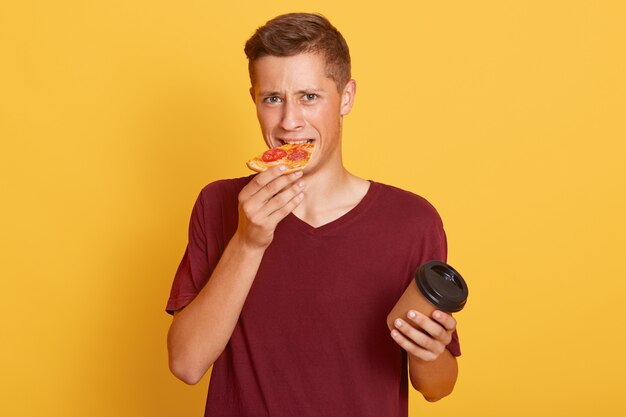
x=194 y=266
x=454 y=346
x=436 y=244
x=437 y=250
x=212 y=224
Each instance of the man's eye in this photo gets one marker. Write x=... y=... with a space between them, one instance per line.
x=272 y=100
x=310 y=97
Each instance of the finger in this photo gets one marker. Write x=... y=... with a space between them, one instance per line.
x=428 y=325
x=261 y=180
x=412 y=348
x=417 y=337
x=254 y=205
x=274 y=187
x=445 y=319
x=282 y=199
x=287 y=208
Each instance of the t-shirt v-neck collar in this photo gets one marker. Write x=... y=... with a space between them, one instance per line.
x=339 y=222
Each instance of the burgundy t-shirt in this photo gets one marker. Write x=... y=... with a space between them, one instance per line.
x=312 y=338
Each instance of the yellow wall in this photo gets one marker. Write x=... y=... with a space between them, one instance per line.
x=511 y=119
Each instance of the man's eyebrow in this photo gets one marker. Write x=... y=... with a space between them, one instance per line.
x=269 y=93
x=301 y=91
x=311 y=90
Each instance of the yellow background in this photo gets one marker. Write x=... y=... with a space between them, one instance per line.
x=509 y=116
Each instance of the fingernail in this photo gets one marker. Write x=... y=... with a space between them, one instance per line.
x=437 y=315
x=282 y=167
x=412 y=314
x=394 y=333
x=301 y=184
x=398 y=323
x=297 y=174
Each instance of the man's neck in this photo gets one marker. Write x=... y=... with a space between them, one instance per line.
x=330 y=194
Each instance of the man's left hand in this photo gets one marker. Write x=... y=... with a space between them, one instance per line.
x=428 y=343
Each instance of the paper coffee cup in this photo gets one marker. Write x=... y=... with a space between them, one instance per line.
x=437 y=286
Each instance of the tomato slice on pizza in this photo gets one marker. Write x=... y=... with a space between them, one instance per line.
x=293 y=156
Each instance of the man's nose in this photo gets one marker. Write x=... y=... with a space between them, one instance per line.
x=292 y=117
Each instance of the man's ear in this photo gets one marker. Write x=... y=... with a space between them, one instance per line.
x=347 y=97
x=252 y=95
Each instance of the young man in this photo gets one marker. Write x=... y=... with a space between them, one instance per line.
x=288 y=278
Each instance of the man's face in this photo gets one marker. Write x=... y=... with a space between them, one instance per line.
x=296 y=102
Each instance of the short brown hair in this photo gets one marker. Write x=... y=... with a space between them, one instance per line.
x=295 y=33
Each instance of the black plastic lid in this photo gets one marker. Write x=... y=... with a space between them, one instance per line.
x=442 y=286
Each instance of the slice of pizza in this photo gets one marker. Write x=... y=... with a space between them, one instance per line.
x=293 y=156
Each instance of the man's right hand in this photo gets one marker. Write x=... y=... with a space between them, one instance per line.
x=265 y=201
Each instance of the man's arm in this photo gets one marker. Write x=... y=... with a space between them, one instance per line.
x=199 y=332
x=432 y=368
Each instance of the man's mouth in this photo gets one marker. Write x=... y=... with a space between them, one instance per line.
x=294 y=142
